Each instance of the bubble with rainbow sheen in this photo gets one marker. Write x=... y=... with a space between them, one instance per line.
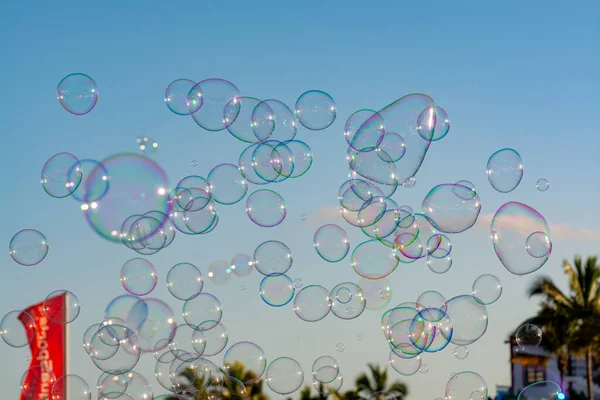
x=138 y=276
x=136 y=185
x=512 y=226
x=77 y=93
x=216 y=94
x=177 y=97
x=331 y=243
x=433 y=123
x=315 y=110
x=28 y=247
x=266 y=208
x=505 y=170
x=277 y=289
x=377 y=293
x=449 y=212
x=61 y=175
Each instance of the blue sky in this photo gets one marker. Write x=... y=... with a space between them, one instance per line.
x=511 y=75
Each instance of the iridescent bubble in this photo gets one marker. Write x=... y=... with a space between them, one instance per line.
x=409 y=182
x=372 y=260
x=151 y=320
x=331 y=243
x=487 y=289
x=431 y=299
x=542 y=184
x=328 y=388
x=227 y=184
x=464 y=189
x=184 y=281
x=541 y=390
x=138 y=276
x=404 y=366
x=211 y=341
x=528 y=335
x=433 y=123
x=301 y=154
x=364 y=130
x=138 y=387
x=77 y=93
x=61 y=175
x=275 y=116
x=17 y=328
x=85 y=168
x=347 y=300
x=538 y=244
x=185 y=341
x=284 y=375
x=203 y=312
x=461 y=352
x=137 y=185
x=505 y=170
x=340 y=347
x=315 y=110
x=28 y=247
x=377 y=293
x=466 y=385
x=266 y=208
x=439 y=265
x=242 y=264
x=61 y=307
x=511 y=227
x=375 y=166
x=220 y=272
x=391 y=148
x=469 y=319
x=191 y=194
x=177 y=97
x=312 y=303
x=238 y=120
x=76 y=387
x=34 y=379
x=124 y=359
x=146 y=144
x=277 y=289
x=438 y=246
x=272 y=257
x=448 y=212
x=325 y=369
x=216 y=94
x=250 y=356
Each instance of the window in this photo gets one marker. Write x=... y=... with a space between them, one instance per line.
x=534 y=374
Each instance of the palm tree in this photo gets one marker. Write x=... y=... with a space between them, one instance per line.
x=377 y=385
x=580 y=307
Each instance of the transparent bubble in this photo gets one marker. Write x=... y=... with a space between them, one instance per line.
x=469 y=319
x=433 y=123
x=238 y=120
x=463 y=385
x=194 y=163
x=340 y=347
x=227 y=184
x=528 y=335
x=76 y=387
x=431 y=299
x=266 y=208
x=34 y=379
x=184 y=281
x=61 y=307
x=461 y=352
x=85 y=168
x=547 y=390
x=325 y=369
x=505 y=170
x=423 y=369
x=138 y=276
x=298 y=283
x=203 y=311
x=284 y=375
x=409 y=182
x=61 y=175
x=404 y=366
x=347 y=300
x=538 y=244
x=448 y=212
x=377 y=293
x=177 y=97
x=364 y=130
x=28 y=247
x=511 y=227
x=438 y=246
x=215 y=94
x=220 y=272
x=315 y=110
x=274 y=116
x=331 y=243
x=439 y=265
x=151 y=319
x=77 y=93
x=312 y=303
x=277 y=289
x=487 y=289
x=271 y=257
x=542 y=184
x=17 y=328
x=303 y=217
x=372 y=260
x=242 y=264
x=210 y=342
x=251 y=357
x=391 y=148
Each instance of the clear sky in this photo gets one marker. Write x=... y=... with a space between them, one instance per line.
x=516 y=74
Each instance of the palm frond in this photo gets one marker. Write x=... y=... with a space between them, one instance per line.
x=550 y=293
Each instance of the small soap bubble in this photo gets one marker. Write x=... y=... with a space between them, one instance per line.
x=340 y=347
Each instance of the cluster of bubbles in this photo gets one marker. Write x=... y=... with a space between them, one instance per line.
x=126 y=198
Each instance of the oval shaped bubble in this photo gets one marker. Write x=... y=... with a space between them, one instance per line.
x=448 y=212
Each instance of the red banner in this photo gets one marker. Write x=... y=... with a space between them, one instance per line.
x=48 y=347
